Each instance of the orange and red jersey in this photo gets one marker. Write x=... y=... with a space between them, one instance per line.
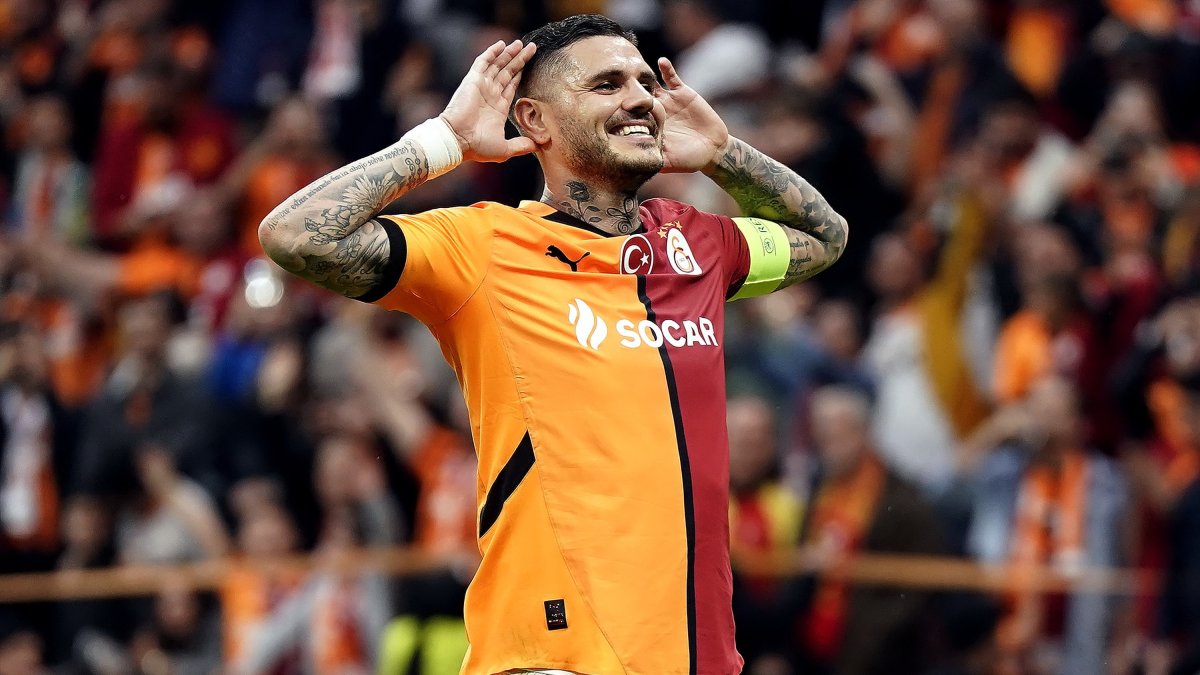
x=592 y=366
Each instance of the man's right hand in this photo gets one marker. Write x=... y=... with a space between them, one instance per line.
x=479 y=108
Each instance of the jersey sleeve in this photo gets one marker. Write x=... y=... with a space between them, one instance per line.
x=735 y=255
x=445 y=256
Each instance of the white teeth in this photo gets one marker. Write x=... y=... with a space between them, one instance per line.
x=634 y=129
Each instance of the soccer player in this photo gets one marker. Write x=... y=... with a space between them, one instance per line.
x=585 y=330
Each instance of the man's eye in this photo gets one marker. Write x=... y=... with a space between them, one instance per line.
x=605 y=86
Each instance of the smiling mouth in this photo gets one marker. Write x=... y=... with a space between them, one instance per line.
x=634 y=130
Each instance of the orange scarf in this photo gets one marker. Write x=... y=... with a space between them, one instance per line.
x=1049 y=529
x=842 y=512
x=337 y=645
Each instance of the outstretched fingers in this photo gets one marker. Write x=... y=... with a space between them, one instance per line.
x=670 y=75
x=512 y=70
x=484 y=60
x=501 y=60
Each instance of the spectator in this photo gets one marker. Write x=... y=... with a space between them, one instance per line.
x=36 y=438
x=335 y=619
x=764 y=519
x=1030 y=157
x=20 y=649
x=182 y=636
x=928 y=394
x=1043 y=499
x=175 y=133
x=50 y=195
x=259 y=583
x=291 y=152
x=150 y=414
x=432 y=441
x=88 y=634
x=170 y=518
x=1050 y=335
x=1180 y=627
x=717 y=58
x=859 y=506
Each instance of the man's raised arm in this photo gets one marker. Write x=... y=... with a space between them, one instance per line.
x=765 y=188
x=327 y=232
x=695 y=139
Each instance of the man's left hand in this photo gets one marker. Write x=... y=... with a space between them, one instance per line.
x=693 y=133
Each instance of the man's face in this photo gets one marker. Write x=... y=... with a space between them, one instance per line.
x=840 y=434
x=602 y=113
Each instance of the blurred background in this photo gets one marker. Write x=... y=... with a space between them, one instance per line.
x=1003 y=369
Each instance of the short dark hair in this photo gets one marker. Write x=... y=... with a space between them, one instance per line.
x=553 y=37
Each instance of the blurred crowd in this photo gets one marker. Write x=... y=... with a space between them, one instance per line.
x=1005 y=365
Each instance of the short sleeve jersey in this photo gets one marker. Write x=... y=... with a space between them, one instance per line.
x=592 y=367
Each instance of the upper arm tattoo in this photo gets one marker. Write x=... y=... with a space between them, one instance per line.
x=765 y=188
x=326 y=233
x=351 y=265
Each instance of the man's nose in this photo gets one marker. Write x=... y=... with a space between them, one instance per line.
x=639 y=99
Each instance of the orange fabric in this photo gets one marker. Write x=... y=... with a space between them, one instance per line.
x=1167 y=402
x=933 y=121
x=1179 y=249
x=156 y=159
x=842 y=512
x=191 y=47
x=35 y=63
x=248 y=596
x=1049 y=529
x=448 y=255
x=155 y=265
x=1130 y=224
x=601 y=509
x=337 y=646
x=445 y=465
x=1156 y=16
x=940 y=307
x=117 y=51
x=1185 y=157
x=1036 y=45
x=1022 y=355
x=77 y=358
x=909 y=42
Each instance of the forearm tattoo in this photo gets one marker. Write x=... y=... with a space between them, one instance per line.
x=764 y=188
x=325 y=232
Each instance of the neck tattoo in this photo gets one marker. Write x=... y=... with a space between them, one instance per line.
x=621 y=218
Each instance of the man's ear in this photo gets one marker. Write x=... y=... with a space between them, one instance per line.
x=528 y=116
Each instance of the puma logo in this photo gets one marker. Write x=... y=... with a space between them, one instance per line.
x=556 y=253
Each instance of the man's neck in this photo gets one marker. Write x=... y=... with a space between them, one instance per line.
x=607 y=210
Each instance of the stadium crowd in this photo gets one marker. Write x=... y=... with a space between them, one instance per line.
x=1004 y=366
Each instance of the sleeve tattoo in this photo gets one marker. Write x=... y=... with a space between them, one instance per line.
x=765 y=188
x=326 y=232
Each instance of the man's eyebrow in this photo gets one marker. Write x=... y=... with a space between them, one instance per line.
x=617 y=73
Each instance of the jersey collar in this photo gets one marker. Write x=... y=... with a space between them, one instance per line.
x=548 y=212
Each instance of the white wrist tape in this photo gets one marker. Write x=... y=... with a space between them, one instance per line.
x=439 y=143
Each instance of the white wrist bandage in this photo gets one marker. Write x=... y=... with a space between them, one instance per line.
x=439 y=143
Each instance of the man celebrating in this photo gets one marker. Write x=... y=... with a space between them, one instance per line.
x=585 y=330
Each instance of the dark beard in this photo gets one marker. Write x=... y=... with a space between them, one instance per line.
x=594 y=160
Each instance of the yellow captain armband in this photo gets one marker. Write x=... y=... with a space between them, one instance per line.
x=770 y=254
